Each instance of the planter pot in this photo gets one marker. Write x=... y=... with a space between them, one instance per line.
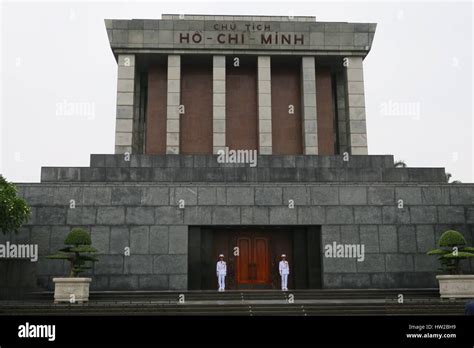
x=66 y=289
x=456 y=286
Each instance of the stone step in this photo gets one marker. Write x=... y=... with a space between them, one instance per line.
x=235 y=295
x=413 y=308
x=424 y=301
x=264 y=292
x=248 y=175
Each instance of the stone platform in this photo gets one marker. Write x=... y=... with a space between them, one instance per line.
x=275 y=168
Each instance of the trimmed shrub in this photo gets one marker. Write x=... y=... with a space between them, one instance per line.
x=79 y=251
x=452 y=251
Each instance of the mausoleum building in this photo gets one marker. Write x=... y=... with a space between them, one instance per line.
x=291 y=92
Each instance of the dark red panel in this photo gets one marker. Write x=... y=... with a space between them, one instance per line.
x=325 y=112
x=241 y=105
x=196 y=96
x=156 y=110
x=286 y=128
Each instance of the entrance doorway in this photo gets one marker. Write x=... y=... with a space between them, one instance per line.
x=252 y=254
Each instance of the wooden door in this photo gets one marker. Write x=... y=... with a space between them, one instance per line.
x=261 y=257
x=244 y=261
x=253 y=260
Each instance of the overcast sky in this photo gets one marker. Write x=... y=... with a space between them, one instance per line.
x=418 y=78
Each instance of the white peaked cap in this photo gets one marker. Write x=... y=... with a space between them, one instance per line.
x=221 y=255
x=283 y=255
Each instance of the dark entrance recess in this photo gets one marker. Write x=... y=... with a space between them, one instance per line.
x=259 y=250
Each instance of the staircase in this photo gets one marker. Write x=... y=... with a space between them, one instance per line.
x=244 y=303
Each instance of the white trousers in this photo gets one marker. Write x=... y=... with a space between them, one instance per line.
x=221 y=281
x=284 y=281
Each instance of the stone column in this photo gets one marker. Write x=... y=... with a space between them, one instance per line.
x=125 y=103
x=355 y=106
x=341 y=112
x=218 y=103
x=308 y=90
x=264 y=106
x=173 y=102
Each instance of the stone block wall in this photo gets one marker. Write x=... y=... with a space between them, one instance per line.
x=146 y=217
x=274 y=168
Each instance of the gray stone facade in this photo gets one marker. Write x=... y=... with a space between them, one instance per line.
x=145 y=217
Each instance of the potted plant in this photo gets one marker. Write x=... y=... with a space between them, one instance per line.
x=452 y=250
x=79 y=252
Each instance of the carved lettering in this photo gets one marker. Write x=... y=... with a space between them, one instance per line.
x=183 y=37
x=197 y=38
x=266 y=40
x=233 y=37
x=300 y=39
x=220 y=38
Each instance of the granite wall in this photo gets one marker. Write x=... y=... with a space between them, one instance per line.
x=145 y=216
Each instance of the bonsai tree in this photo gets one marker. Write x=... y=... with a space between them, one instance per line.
x=451 y=251
x=78 y=252
x=14 y=211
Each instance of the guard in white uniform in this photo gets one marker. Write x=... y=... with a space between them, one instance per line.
x=284 y=271
x=221 y=270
